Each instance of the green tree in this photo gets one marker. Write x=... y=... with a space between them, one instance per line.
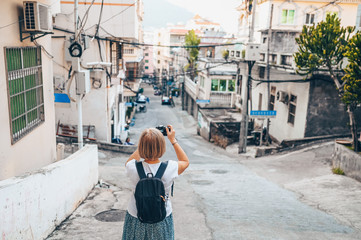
x=322 y=47
x=191 y=43
x=352 y=79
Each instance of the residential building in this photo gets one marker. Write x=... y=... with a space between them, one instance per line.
x=37 y=192
x=302 y=111
x=149 y=62
x=162 y=55
x=112 y=57
x=28 y=116
x=211 y=100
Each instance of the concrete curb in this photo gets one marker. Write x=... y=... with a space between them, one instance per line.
x=101 y=145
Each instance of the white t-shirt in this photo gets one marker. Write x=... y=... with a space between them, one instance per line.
x=171 y=172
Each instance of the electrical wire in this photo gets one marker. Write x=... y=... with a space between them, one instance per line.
x=11 y=24
x=42 y=48
x=100 y=17
x=84 y=19
x=120 y=12
x=181 y=46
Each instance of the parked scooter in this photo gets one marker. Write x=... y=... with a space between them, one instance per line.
x=257 y=137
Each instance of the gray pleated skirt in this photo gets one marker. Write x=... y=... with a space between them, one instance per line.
x=136 y=230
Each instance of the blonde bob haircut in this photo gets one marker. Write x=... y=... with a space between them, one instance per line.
x=151 y=144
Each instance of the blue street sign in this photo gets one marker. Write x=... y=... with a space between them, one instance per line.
x=202 y=101
x=61 y=98
x=128 y=104
x=263 y=114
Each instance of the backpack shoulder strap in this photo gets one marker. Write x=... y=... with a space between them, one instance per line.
x=161 y=170
x=140 y=169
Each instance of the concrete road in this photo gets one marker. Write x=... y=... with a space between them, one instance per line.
x=227 y=196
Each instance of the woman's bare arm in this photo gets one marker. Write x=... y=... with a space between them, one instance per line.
x=135 y=155
x=183 y=161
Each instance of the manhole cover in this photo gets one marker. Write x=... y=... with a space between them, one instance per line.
x=202 y=182
x=218 y=171
x=113 y=215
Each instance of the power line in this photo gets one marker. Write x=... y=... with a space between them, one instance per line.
x=120 y=12
x=181 y=46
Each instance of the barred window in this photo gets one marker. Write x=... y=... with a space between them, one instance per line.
x=115 y=55
x=128 y=50
x=25 y=90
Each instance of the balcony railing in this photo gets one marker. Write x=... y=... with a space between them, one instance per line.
x=191 y=87
x=220 y=99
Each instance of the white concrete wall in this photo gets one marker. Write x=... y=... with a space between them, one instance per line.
x=38 y=147
x=33 y=205
x=279 y=127
x=120 y=25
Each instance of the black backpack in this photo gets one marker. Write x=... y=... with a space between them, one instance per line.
x=150 y=195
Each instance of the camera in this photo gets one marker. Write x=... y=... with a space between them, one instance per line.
x=162 y=129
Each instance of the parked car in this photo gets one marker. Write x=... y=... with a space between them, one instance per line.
x=165 y=101
x=142 y=99
x=155 y=87
x=157 y=92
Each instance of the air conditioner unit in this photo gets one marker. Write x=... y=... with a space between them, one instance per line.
x=282 y=97
x=36 y=17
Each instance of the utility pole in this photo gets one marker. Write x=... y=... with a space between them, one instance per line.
x=76 y=68
x=268 y=72
x=242 y=147
x=251 y=31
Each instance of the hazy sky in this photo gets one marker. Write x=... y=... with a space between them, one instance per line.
x=223 y=12
x=157 y=13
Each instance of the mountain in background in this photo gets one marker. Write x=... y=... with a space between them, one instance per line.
x=157 y=13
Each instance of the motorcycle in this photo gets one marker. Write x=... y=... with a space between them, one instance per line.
x=142 y=108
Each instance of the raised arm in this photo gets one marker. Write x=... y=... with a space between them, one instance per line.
x=183 y=161
x=135 y=155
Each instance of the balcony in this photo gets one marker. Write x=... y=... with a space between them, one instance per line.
x=191 y=87
x=222 y=99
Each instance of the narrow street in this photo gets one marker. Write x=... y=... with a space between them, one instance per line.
x=227 y=196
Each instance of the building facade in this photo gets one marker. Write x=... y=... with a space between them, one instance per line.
x=28 y=116
x=296 y=101
x=110 y=54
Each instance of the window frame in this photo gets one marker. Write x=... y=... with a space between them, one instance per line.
x=309 y=14
x=292 y=109
x=115 y=55
x=272 y=98
x=287 y=22
x=226 y=86
x=25 y=90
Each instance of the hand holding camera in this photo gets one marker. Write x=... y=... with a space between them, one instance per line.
x=168 y=131
x=162 y=129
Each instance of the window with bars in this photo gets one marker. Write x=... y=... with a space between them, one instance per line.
x=292 y=109
x=25 y=89
x=115 y=55
x=128 y=51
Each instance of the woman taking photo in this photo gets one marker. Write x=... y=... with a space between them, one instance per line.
x=151 y=147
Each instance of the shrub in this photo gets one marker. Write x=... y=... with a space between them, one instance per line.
x=338 y=171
